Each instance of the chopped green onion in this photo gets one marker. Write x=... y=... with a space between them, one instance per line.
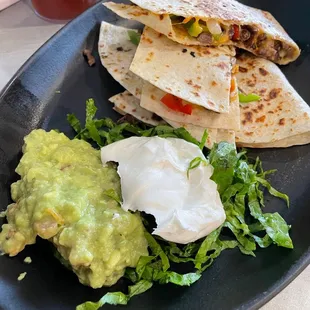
x=203 y=139
x=134 y=37
x=195 y=163
x=248 y=98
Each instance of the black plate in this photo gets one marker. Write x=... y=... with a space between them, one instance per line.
x=31 y=100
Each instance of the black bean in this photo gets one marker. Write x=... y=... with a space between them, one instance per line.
x=245 y=35
x=205 y=38
x=260 y=39
x=277 y=45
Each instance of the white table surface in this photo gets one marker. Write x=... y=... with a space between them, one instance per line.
x=21 y=34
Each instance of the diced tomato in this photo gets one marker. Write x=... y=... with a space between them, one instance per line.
x=174 y=103
x=187 y=109
x=236 y=35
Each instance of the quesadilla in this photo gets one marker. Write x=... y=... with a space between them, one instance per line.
x=200 y=75
x=116 y=53
x=126 y=103
x=214 y=22
x=281 y=118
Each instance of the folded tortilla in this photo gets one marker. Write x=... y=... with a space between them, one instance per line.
x=150 y=100
x=222 y=22
x=200 y=75
x=116 y=53
x=281 y=118
x=126 y=103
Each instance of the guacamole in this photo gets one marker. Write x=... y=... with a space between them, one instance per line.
x=62 y=197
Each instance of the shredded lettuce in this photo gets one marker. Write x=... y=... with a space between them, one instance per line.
x=104 y=131
x=204 y=139
x=240 y=184
x=117 y=298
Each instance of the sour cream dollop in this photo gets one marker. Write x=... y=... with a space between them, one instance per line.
x=154 y=179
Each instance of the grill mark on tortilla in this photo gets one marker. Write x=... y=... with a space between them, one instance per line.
x=261 y=119
x=248 y=117
x=222 y=66
x=184 y=50
x=213 y=83
x=195 y=93
x=146 y=39
x=274 y=93
x=196 y=86
x=193 y=54
x=139 y=13
x=249 y=133
x=243 y=70
x=260 y=107
x=282 y=121
x=250 y=83
x=153 y=97
x=161 y=16
x=119 y=49
x=262 y=91
x=263 y=72
x=189 y=82
x=149 y=56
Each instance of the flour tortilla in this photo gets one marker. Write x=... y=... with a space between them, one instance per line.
x=281 y=118
x=200 y=75
x=116 y=53
x=301 y=139
x=156 y=14
x=150 y=100
x=126 y=103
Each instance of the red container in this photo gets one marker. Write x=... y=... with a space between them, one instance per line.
x=61 y=9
